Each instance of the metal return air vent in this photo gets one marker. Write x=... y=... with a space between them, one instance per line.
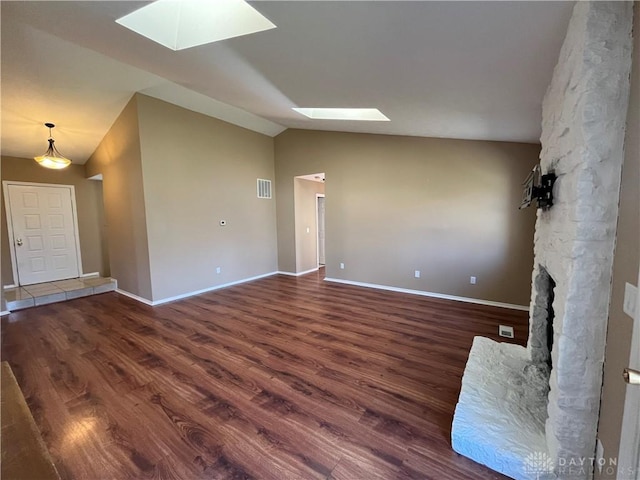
x=264 y=188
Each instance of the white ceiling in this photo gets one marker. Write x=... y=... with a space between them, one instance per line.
x=474 y=70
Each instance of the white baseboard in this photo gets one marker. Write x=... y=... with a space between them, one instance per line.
x=134 y=297
x=6 y=312
x=7 y=287
x=291 y=274
x=211 y=289
x=194 y=293
x=431 y=294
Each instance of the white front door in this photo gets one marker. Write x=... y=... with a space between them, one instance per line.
x=42 y=229
x=629 y=455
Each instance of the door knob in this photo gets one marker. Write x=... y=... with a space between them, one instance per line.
x=632 y=377
x=19 y=242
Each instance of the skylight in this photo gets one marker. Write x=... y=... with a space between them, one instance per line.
x=180 y=24
x=359 y=114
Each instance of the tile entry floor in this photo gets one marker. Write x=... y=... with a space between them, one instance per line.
x=50 y=292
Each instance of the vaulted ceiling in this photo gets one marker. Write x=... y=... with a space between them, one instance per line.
x=473 y=70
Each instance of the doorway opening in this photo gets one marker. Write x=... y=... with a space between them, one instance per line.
x=320 y=228
x=309 y=207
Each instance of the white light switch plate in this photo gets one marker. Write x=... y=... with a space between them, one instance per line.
x=600 y=461
x=630 y=298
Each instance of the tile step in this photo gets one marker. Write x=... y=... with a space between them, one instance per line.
x=25 y=299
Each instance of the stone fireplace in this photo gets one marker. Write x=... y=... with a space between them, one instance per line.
x=532 y=413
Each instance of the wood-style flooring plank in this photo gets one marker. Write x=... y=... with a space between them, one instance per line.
x=282 y=378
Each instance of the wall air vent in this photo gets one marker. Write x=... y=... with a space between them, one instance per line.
x=505 y=331
x=264 y=188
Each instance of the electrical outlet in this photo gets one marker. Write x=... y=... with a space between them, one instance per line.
x=416 y=274
x=308 y=230
x=341 y=266
x=472 y=280
x=630 y=298
x=505 y=331
x=218 y=269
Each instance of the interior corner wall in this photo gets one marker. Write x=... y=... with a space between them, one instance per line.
x=306 y=230
x=625 y=269
x=89 y=210
x=118 y=159
x=197 y=171
x=448 y=208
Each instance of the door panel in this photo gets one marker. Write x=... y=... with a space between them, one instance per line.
x=43 y=233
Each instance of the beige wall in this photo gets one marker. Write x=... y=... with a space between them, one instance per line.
x=399 y=204
x=89 y=209
x=118 y=159
x=197 y=171
x=305 y=218
x=625 y=269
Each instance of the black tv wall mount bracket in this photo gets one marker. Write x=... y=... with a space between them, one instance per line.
x=538 y=187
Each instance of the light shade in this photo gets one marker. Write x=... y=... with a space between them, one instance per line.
x=180 y=24
x=358 y=114
x=52 y=161
x=52 y=158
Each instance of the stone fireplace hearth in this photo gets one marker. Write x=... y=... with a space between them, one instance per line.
x=532 y=413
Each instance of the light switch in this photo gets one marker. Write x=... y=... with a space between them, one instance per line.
x=630 y=298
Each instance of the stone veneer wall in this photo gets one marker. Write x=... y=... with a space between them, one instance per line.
x=584 y=114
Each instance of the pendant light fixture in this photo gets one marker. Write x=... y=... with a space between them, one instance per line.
x=52 y=157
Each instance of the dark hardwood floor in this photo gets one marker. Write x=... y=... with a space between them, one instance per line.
x=283 y=378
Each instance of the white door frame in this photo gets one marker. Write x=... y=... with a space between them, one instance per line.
x=629 y=452
x=7 y=208
x=319 y=195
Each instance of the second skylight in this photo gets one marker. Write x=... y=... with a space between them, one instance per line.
x=358 y=114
